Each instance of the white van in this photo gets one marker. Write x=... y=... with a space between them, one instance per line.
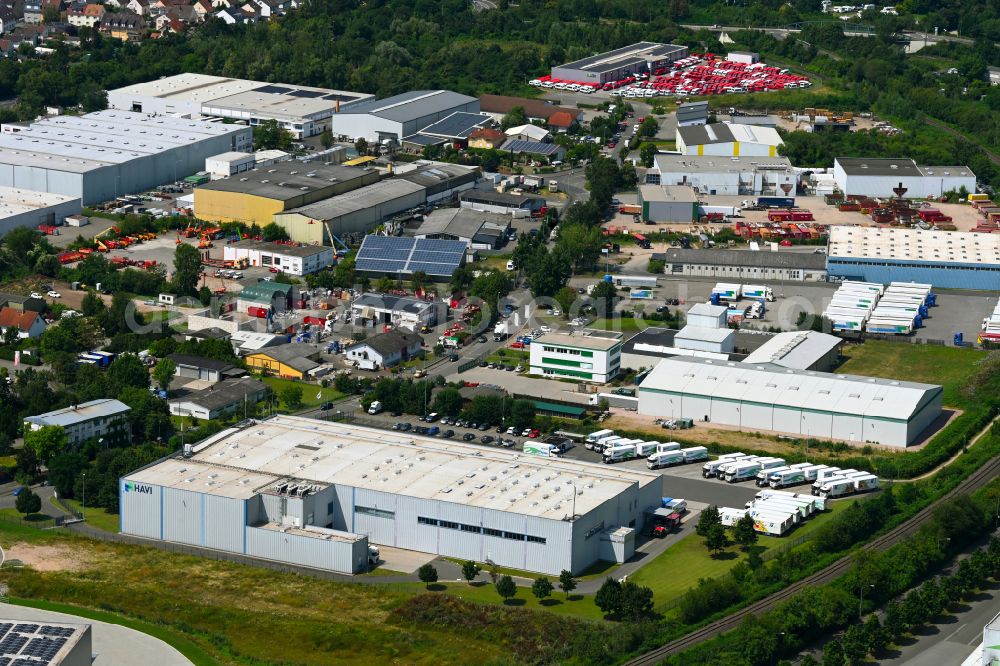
x=375 y=407
x=510 y=264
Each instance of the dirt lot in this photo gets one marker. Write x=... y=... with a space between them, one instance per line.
x=47 y=558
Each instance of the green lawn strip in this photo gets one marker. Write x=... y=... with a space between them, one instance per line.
x=181 y=643
x=578 y=606
x=96 y=516
x=621 y=324
x=948 y=366
x=680 y=567
x=309 y=391
x=37 y=520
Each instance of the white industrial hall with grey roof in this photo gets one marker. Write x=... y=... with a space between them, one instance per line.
x=102 y=155
x=772 y=398
x=316 y=493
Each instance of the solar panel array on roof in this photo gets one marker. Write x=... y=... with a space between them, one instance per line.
x=383 y=254
x=306 y=93
x=274 y=90
x=30 y=644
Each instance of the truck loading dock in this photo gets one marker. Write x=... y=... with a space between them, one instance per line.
x=242 y=491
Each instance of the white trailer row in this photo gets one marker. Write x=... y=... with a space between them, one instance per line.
x=614 y=448
x=731 y=293
x=898 y=309
x=991 y=325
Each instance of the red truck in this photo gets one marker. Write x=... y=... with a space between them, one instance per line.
x=662 y=522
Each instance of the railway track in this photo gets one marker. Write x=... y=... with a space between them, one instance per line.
x=977 y=479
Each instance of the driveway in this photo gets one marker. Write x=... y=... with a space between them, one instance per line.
x=404 y=561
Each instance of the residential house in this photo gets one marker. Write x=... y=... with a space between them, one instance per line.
x=33 y=11
x=88 y=17
x=529 y=133
x=160 y=7
x=235 y=16
x=50 y=6
x=561 y=121
x=203 y=8
x=549 y=151
x=167 y=23
x=125 y=26
x=8 y=19
x=385 y=349
x=487 y=138
x=29 y=324
x=7 y=48
x=223 y=4
x=138 y=7
x=292 y=361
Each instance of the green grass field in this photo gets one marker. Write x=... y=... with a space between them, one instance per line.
x=621 y=324
x=41 y=519
x=577 y=606
x=948 y=366
x=692 y=559
x=309 y=391
x=214 y=608
x=96 y=517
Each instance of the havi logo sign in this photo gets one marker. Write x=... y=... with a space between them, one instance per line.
x=138 y=488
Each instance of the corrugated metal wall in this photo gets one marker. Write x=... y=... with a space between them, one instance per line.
x=224 y=523
x=182 y=516
x=331 y=555
x=140 y=511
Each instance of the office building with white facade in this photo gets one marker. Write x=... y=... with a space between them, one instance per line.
x=95 y=419
x=593 y=356
x=731 y=176
x=290 y=259
x=316 y=493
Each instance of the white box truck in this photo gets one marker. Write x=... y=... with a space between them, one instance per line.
x=741 y=471
x=661 y=447
x=780 y=505
x=764 y=475
x=541 y=449
x=836 y=487
x=772 y=524
x=664 y=459
x=730 y=516
x=817 y=502
x=757 y=291
x=865 y=484
x=619 y=453
x=726 y=292
x=788 y=477
x=595 y=437
x=694 y=454
x=643 y=449
x=711 y=468
x=676 y=505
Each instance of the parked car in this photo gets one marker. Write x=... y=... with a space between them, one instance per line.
x=482 y=338
x=486 y=439
x=405 y=426
x=468 y=437
x=483 y=427
x=533 y=434
x=507 y=443
x=448 y=433
x=453 y=357
x=326 y=406
x=54 y=294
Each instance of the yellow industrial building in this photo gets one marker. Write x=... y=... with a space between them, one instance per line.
x=254 y=197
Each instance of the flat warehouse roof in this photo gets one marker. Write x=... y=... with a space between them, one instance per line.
x=412 y=105
x=940 y=247
x=714 y=164
x=694 y=135
x=405 y=464
x=77 y=413
x=283 y=101
x=598 y=340
x=746 y=258
x=286 y=180
x=359 y=199
x=279 y=248
x=639 y=52
x=189 y=87
x=202 y=477
x=14 y=201
x=668 y=194
x=796 y=389
x=874 y=166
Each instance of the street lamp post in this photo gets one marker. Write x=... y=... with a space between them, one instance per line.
x=83 y=511
x=861 y=600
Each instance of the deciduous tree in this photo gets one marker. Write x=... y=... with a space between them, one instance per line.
x=542 y=587
x=506 y=588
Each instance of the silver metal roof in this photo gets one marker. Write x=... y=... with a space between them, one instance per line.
x=80 y=413
x=359 y=199
x=797 y=350
x=845 y=394
x=412 y=105
x=321 y=452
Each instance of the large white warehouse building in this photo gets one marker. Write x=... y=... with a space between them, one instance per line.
x=399 y=116
x=882 y=177
x=728 y=140
x=732 y=176
x=27 y=208
x=804 y=403
x=315 y=493
x=103 y=155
